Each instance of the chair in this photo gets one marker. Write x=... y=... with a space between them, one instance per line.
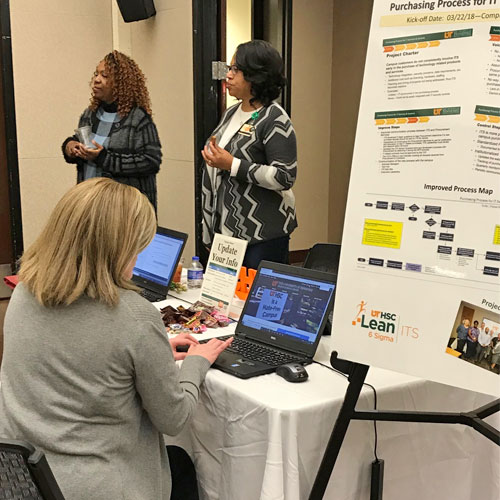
x=324 y=257
x=25 y=473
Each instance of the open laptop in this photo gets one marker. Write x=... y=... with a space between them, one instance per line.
x=156 y=264
x=281 y=322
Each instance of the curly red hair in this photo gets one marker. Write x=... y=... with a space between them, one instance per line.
x=129 y=84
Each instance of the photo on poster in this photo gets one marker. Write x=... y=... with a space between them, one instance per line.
x=475 y=337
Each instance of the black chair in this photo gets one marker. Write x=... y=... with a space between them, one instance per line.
x=324 y=257
x=25 y=473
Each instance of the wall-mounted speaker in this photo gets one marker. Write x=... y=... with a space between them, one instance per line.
x=136 y=10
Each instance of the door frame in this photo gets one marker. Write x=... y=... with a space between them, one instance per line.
x=9 y=153
x=207 y=93
x=286 y=47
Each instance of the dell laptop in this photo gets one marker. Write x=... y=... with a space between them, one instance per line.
x=156 y=264
x=281 y=322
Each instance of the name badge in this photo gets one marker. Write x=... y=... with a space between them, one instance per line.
x=246 y=129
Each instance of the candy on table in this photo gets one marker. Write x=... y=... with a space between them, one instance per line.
x=211 y=322
x=197 y=318
x=221 y=318
x=192 y=320
x=195 y=323
x=199 y=329
x=168 y=309
x=203 y=315
x=177 y=331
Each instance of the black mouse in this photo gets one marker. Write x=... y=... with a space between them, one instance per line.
x=293 y=372
x=182 y=348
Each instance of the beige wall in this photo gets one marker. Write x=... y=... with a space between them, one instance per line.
x=55 y=48
x=163 y=48
x=310 y=109
x=351 y=25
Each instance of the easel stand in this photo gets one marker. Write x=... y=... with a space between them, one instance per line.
x=356 y=373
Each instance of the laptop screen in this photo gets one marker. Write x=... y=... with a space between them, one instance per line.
x=157 y=262
x=287 y=305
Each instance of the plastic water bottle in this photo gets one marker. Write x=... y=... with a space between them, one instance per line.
x=195 y=273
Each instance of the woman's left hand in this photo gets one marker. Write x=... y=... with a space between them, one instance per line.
x=217 y=157
x=181 y=340
x=91 y=154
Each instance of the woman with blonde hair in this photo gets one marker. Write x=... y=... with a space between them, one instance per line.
x=124 y=141
x=88 y=373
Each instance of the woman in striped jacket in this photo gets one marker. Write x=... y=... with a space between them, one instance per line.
x=251 y=160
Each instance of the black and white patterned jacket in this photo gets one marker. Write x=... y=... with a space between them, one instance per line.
x=258 y=203
x=133 y=154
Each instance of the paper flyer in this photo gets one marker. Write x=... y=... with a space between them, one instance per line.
x=421 y=245
x=223 y=269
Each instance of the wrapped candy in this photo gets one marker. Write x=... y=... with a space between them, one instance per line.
x=195 y=319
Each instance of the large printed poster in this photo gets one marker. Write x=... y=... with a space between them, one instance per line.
x=419 y=284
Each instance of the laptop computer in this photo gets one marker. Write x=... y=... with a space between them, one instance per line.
x=156 y=264
x=281 y=322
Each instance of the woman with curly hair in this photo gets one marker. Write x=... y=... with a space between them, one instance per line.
x=251 y=160
x=126 y=146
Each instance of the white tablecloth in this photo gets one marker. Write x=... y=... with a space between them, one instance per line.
x=264 y=438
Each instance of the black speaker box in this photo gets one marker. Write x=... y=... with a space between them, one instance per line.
x=136 y=10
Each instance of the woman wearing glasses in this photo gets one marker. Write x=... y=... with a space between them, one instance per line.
x=251 y=160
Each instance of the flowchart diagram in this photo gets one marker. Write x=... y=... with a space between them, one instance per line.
x=424 y=236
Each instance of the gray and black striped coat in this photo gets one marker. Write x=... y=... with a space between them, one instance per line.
x=258 y=203
x=133 y=154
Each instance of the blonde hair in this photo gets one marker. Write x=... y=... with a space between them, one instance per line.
x=92 y=235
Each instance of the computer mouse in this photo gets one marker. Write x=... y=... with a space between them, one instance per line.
x=182 y=348
x=292 y=372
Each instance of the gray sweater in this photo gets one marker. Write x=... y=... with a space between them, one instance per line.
x=95 y=387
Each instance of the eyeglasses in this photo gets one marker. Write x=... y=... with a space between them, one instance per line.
x=232 y=68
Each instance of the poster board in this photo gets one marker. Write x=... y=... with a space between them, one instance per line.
x=222 y=272
x=422 y=228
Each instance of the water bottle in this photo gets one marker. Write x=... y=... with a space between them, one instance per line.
x=195 y=273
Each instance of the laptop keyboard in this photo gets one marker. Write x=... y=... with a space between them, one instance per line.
x=258 y=352
x=151 y=296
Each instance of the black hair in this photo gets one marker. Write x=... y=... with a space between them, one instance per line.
x=262 y=67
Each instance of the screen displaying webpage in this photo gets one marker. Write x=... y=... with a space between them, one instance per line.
x=288 y=305
x=157 y=261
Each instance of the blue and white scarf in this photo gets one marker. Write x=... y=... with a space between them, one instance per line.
x=101 y=136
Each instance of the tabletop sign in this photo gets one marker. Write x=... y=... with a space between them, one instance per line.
x=420 y=263
x=223 y=269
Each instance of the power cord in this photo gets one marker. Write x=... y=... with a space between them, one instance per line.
x=374 y=403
